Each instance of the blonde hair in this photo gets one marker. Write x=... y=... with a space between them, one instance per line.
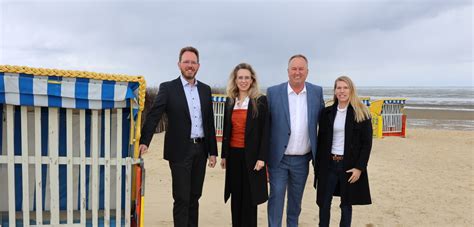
x=361 y=112
x=254 y=91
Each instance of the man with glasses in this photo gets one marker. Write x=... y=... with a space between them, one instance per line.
x=190 y=138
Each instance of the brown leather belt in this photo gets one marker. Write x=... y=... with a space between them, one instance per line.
x=336 y=157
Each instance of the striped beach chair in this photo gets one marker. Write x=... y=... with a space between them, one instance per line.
x=69 y=148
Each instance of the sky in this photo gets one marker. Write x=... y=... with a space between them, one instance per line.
x=376 y=43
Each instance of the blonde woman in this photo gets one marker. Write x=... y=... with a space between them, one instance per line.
x=344 y=144
x=244 y=146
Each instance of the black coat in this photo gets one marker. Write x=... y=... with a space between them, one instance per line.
x=256 y=148
x=171 y=100
x=357 y=146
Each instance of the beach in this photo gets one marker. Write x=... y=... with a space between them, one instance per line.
x=425 y=179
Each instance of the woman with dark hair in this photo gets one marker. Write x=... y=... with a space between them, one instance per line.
x=344 y=144
x=244 y=146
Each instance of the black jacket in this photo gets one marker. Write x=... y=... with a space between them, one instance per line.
x=256 y=147
x=357 y=146
x=171 y=100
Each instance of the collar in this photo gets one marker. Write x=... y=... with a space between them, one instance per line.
x=290 y=90
x=185 y=82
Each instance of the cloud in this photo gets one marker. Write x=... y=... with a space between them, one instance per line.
x=375 y=42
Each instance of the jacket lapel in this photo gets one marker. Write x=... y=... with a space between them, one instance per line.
x=182 y=96
x=348 y=128
x=309 y=100
x=284 y=97
x=203 y=99
x=249 y=123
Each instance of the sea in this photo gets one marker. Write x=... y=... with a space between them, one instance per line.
x=448 y=99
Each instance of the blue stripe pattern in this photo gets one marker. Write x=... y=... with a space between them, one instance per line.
x=53 y=91
x=25 y=83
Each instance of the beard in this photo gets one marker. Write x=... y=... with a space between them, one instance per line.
x=188 y=75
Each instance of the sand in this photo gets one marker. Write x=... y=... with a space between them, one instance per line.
x=425 y=179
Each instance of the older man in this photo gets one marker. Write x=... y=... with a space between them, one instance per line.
x=294 y=108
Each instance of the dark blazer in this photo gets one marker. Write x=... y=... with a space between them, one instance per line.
x=357 y=146
x=171 y=100
x=256 y=148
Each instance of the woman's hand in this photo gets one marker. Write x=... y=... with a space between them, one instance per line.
x=355 y=175
x=259 y=165
x=223 y=163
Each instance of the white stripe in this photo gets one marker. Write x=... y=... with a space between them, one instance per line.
x=120 y=91
x=68 y=92
x=95 y=90
x=40 y=89
x=12 y=88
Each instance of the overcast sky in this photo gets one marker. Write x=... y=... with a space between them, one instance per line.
x=377 y=43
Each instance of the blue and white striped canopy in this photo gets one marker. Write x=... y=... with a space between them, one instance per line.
x=394 y=101
x=218 y=98
x=65 y=92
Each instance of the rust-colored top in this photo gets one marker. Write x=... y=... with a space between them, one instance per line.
x=237 y=137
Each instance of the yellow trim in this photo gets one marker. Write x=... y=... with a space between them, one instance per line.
x=81 y=74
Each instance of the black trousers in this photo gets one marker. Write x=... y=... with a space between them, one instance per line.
x=335 y=179
x=244 y=212
x=188 y=178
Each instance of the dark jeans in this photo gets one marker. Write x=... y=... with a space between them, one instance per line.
x=335 y=179
x=244 y=213
x=188 y=178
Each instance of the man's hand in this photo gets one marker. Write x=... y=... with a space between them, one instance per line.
x=212 y=161
x=143 y=149
x=355 y=175
x=223 y=163
x=259 y=165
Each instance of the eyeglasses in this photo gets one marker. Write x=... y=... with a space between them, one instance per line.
x=189 y=62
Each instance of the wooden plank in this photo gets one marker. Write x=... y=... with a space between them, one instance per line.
x=10 y=166
x=118 y=191
x=128 y=190
x=39 y=182
x=70 y=174
x=95 y=167
x=53 y=152
x=82 y=147
x=107 y=168
x=25 y=166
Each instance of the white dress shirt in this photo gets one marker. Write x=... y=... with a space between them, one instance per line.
x=194 y=105
x=338 y=133
x=299 y=143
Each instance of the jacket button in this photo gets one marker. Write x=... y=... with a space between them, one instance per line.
x=285 y=146
x=289 y=133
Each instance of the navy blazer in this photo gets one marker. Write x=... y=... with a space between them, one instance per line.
x=280 y=129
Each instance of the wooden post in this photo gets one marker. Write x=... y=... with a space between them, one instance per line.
x=54 y=167
x=118 y=183
x=107 y=167
x=95 y=167
x=82 y=146
x=39 y=183
x=69 y=166
x=25 y=165
x=10 y=166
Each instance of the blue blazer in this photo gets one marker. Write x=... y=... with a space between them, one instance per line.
x=280 y=129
